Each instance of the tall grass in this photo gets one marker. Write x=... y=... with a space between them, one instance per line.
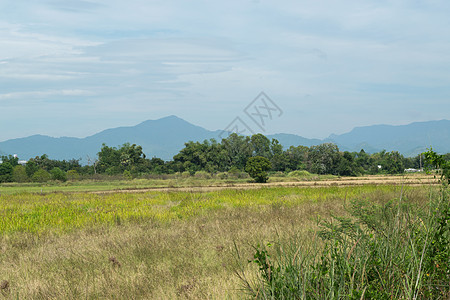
x=395 y=250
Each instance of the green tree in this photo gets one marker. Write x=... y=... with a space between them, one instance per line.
x=439 y=163
x=260 y=145
x=73 y=175
x=347 y=165
x=114 y=161
x=297 y=157
x=6 y=172
x=324 y=159
x=257 y=168
x=41 y=175
x=19 y=174
x=31 y=167
x=12 y=160
x=238 y=150
x=58 y=174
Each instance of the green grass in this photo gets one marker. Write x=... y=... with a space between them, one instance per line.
x=107 y=185
x=172 y=181
x=38 y=213
x=394 y=250
x=156 y=245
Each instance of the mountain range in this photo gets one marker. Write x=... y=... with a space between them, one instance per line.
x=165 y=137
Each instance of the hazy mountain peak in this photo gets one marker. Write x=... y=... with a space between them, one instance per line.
x=166 y=136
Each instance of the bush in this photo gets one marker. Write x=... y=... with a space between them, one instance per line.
x=299 y=173
x=6 y=172
x=257 y=168
x=127 y=175
x=202 y=174
x=222 y=175
x=41 y=176
x=58 y=174
x=73 y=175
x=20 y=174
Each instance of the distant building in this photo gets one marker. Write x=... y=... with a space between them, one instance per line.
x=20 y=162
x=411 y=170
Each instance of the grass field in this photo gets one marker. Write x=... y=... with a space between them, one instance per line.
x=174 y=182
x=156 y=245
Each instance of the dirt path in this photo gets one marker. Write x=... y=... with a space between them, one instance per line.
x=344 y=181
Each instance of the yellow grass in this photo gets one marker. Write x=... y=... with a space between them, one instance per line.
x=154 y=245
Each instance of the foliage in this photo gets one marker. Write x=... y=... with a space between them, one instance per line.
x=41 y=175
x=19 y=174
x=6 y=172
x=395 y=250
x=299 y=173
x=257 y=168
x=73 y=175
x=229 y=155
x=58 y=174
x=381 y=252
x=438 y=162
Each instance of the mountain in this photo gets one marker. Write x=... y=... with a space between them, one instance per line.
x=288 y=140
x=409 y=140
x=166 y=137
x=161 y=138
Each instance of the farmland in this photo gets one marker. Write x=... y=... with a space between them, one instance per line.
x=163 y=244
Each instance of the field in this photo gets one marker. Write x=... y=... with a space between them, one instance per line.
x=158 y=240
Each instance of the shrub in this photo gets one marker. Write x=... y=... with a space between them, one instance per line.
x=19 y=174
x=41 y=176
x=73 y=175
x=257 y=168
x=127 y=175
x=299 y=173
x=202 y=174
x=222 y=175
x=58 y=174
x=6 y=170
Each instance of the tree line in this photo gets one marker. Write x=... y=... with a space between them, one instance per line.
x=232 y=154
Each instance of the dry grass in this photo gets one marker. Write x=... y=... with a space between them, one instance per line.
x=191 y=258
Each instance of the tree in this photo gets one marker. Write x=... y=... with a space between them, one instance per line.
x=238 y=150
x=12 y=160
x=438 y=162
x=324 y=159
x=41 y=176
x=260 y=145
x=257 y=168
x=19 y=174
x=6 y=170
x=73 y=175
x=58 y=174
x=347 y=165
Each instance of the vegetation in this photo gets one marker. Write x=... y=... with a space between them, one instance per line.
x=155 y=245
x=231 y=155
x=398 y=250
x=257 y=168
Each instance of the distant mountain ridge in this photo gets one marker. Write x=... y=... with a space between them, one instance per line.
x=165 y=137
x=409 y=140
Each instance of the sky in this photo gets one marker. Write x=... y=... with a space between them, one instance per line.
x=74 y=68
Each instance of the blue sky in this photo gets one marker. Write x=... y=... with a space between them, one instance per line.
x=73 y=68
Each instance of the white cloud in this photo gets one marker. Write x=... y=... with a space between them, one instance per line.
x=45 y=94
x=203 y=59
